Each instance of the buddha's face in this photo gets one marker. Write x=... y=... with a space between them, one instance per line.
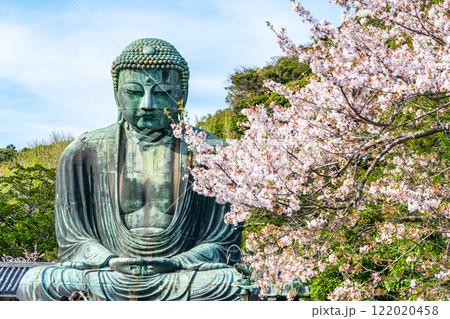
x=143 y=96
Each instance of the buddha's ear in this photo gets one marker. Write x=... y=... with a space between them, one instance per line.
x=185 y=96
x=120 y=118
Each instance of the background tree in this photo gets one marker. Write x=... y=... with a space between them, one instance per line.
x=26 y=211
x=246 y=88
x=44 y=152
x=7 y=154
x=357 y=168
x=27 y=196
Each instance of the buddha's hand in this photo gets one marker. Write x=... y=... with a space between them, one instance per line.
x=144 y=266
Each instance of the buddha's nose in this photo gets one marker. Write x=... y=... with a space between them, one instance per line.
x=148 y=101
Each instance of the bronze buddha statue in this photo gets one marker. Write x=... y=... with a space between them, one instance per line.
x=128 y=224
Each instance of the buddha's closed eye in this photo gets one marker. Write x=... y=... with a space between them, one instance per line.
x=134 y=92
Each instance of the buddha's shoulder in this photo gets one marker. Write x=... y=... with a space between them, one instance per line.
x=109 y=132
x=94 y=139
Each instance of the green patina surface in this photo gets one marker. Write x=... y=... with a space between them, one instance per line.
x=128 y=226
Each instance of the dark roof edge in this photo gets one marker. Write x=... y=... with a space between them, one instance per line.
x=24 y=264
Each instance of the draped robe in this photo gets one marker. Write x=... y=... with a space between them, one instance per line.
x=90 y=231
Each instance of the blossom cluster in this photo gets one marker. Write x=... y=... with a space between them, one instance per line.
x=343 y=166
x=27 y=256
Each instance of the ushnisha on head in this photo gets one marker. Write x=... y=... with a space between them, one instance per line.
x=150 y=78
x=150 y=54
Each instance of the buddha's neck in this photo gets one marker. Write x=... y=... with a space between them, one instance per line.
x=148 y=137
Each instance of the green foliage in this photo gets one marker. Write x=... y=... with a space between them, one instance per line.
x=325 y=283
x=222 y=124
x=27 y=196
x=390 y=259
x=246 y=89
x=444 y=141
x=246 y=85
x=27 y=211
x=6 y=154
x=45 y=152
x=286 y=70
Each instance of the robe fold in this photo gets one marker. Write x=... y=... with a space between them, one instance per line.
x=90 y=231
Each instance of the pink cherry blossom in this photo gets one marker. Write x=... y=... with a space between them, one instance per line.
x=339 y=162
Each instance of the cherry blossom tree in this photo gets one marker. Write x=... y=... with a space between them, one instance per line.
x=357 y=169
x=27 y=256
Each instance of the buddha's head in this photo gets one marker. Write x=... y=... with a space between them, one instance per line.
x=149 y=76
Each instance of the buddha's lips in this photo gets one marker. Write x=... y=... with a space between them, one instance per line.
x=151 y=113
x=147 y=115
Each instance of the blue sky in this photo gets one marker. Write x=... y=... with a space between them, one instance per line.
x=55 y=59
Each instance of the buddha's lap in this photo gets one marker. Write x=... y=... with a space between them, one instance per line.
x=55 y=282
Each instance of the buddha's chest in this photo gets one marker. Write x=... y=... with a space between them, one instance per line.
x=148 y=186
